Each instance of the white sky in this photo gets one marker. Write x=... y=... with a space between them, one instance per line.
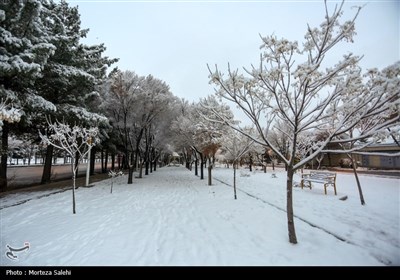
x=174 y=40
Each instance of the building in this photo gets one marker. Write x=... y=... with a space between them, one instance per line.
x=368 y=161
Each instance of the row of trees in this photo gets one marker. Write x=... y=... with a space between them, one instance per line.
x=140 y=110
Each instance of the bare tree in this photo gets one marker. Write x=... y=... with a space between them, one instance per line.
x=208 y=134
x=295 y=85
x=76 y=141
x=236 y=145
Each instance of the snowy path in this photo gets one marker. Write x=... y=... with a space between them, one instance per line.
x=168 y=218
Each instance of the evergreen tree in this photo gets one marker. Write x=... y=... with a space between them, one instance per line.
x=25 y=49
x=45 y=70
x=72 y=74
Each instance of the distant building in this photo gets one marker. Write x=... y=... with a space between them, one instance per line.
x=368 y=161
x=174 y=158
x=380 y=162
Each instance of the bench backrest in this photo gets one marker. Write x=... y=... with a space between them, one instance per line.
x=322 y=174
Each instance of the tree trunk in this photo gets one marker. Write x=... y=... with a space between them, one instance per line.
x=289 y=205
x=155 y=163
x=46 y=176
x=234 y=180
x=201 y=167
x=73 y=195
x=130 y=174
x=141 y=169
x=125 y=161
x=105 y=162
x=132 y=162
x=250 y=163
x=92 y=160
x=354 y=164
x=146 y=172
x=74 y=170
x=196 y=171
x=209 y=174
x=113 y=161
x=329 y=159
x=76 y=164
x=135 y=160
x=4 y=152
x=102 y=161
x=119 y=161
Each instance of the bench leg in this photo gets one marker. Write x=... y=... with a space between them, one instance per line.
x=303 y=185
x=334 y=187
x=325 y=188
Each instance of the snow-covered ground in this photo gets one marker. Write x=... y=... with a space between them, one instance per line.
x=173 y=218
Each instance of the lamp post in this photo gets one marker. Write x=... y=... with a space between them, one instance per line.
x=88 y=161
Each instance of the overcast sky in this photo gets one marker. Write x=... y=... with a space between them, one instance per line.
x=174 y=40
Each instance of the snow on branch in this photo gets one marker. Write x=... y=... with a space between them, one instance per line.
x=71 y=139
x=8 y=113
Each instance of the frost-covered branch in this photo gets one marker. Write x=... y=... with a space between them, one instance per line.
x=8 y=113
x=74 y=140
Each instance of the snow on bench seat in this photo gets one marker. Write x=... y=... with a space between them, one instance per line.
x=326 y=178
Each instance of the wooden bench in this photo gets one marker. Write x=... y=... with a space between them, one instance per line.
x=326 y=178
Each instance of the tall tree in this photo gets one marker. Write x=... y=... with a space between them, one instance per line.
x=25 y=49
x=208 y=134
x=119 y=102
x=72 y=74
x=183 y=130
x=295 y=85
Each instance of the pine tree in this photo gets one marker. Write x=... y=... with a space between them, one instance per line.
x=72 y=74
x=25 y=49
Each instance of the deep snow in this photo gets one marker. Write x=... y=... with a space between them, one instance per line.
x=172 y=218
